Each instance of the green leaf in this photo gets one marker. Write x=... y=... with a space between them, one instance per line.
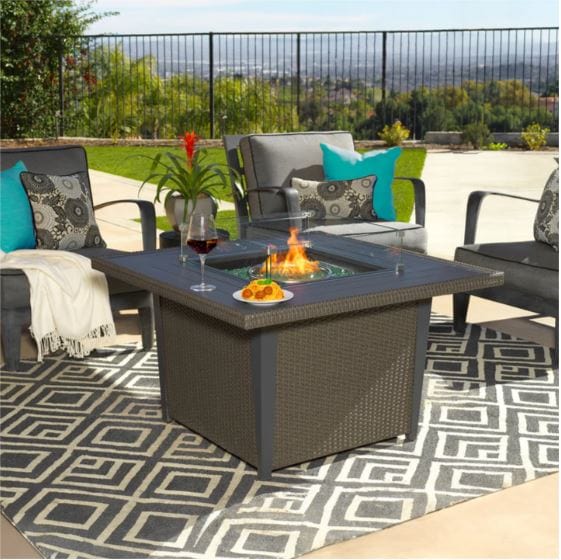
x=148 y=180
x=155 y=162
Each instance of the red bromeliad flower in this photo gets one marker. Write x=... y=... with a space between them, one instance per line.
x=189 y=141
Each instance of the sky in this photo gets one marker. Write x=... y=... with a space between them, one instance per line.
x=201 y=16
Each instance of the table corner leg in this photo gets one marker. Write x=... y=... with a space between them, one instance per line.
x=264 y=372
x=161 y=358
x=423 y=324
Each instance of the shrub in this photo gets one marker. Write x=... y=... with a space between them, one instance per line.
x=395 y=134
x=476 y=134
x=535 y=136
x=33 y=36
x=496 y=146
x=428 y=113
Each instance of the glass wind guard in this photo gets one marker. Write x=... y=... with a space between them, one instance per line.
x=275 y=227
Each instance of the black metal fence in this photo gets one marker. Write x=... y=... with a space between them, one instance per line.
x=157 y=86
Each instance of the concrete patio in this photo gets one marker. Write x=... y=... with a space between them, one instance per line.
x=449 y=177
x=519 y=522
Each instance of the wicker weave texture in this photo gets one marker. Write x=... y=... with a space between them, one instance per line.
x=344 y=382
x=341 y=382
x=208 y=378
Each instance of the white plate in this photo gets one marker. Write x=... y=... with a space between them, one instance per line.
x=287 y=295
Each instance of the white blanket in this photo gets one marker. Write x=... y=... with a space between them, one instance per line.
x=69 y=301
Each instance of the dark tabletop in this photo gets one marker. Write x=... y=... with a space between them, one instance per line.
x=423 y=278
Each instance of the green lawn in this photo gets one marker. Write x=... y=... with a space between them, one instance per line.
x=124 y=161
x=226 y=219
x=409 y=164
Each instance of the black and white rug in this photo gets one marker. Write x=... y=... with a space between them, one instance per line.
x=88 y=469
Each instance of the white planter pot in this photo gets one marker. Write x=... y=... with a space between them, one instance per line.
x=175 y=204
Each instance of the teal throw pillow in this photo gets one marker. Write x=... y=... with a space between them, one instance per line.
x=345 y=165
x=16 y=219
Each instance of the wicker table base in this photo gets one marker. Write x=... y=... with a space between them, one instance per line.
x=276 y=397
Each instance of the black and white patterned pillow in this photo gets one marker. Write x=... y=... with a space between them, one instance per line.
x=334 y=200
x=62 y=211
x=546 y=224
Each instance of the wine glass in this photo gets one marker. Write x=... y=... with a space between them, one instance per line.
x=202 y=238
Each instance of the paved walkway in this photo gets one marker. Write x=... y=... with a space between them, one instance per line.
x=117 y=222
x=449 y=178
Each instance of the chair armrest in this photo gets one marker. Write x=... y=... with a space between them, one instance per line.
x=474 y=206
x=291 y=202
x=289 y=194
x=147 y=220
x=231 y=144
x=240 y=198
x=420 y=198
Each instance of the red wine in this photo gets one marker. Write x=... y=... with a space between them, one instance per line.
x=202 y=246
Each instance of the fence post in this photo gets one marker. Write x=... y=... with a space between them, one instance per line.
x=60 y=112
x=298 y=72
x=384 y=62
x=211 y=81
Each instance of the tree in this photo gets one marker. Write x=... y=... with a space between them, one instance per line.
x=429 y=112
x=110 y=103
x=386 y=112
x=248 y=107
x=452 y=96
x=34 y=34
x=551 y=89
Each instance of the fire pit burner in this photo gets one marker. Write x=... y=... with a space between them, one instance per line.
x=292 y=264
x=322 y=272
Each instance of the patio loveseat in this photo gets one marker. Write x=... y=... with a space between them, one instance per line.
x=14 y=286
x=261 y=184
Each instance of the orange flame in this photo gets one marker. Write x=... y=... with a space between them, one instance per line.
x=294 y=263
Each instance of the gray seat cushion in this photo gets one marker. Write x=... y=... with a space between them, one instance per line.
x=529 y=266
x=382 y=233
x=115 y=286
x=14 y=287
x=91 y=252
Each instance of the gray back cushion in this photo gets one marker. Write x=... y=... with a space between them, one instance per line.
x=51 y=160
x=271 y=160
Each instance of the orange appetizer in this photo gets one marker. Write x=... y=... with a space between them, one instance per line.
x=262 y=290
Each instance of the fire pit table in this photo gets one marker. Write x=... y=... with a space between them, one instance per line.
x=338 y=366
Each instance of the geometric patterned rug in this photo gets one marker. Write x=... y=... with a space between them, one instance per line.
x=88 y=469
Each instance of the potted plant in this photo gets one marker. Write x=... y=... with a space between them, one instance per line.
x=185 y=184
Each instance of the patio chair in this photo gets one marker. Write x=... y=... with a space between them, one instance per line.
x=261 y=186
x=14 y=286
x=531 y=270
